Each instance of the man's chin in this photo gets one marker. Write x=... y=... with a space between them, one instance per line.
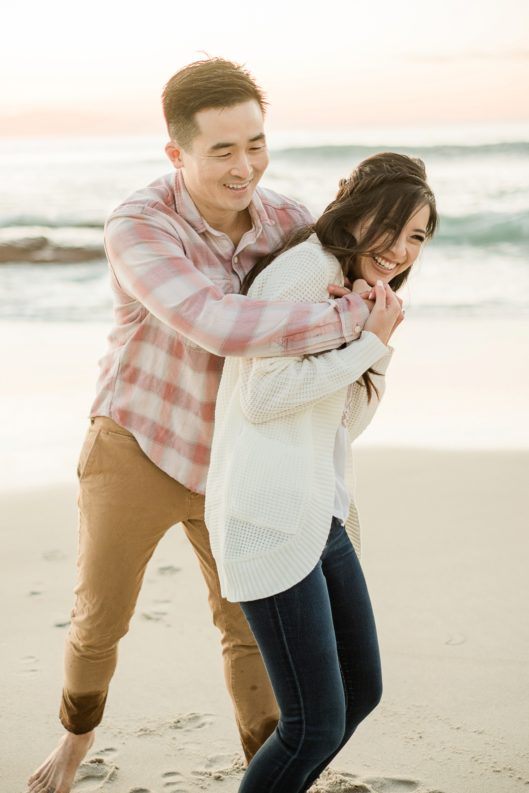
x=246 y=199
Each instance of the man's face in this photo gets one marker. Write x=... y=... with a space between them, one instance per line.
x=225 y=160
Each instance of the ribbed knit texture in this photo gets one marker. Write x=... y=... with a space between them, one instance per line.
x=270 y=487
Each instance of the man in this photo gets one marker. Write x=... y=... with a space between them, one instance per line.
x=178 y=251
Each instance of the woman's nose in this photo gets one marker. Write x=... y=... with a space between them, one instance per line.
x=399 y=247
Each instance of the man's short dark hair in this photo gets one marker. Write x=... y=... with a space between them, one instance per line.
x=211 y=83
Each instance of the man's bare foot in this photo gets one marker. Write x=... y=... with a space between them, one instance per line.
x=57 y=773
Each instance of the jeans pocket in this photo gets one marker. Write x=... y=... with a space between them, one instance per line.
x=87 y=449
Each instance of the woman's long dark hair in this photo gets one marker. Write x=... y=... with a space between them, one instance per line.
x=386 y=189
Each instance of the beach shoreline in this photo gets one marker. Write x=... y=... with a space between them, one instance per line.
x=449 y=386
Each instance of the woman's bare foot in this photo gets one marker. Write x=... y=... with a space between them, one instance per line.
x=57 y=773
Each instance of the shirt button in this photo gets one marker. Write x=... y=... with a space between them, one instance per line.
x=357 y=328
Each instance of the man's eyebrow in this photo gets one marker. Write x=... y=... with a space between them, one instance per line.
x=226 y=145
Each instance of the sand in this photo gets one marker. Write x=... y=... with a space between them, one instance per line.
x=446 y=546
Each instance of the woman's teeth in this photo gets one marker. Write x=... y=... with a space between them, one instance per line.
x=385 y=264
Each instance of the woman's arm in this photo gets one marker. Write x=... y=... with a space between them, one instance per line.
x=359 y=412
x=275 y=387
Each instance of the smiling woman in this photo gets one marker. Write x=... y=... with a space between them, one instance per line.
x=280 y=505
x=376 y=226
x=399 y=252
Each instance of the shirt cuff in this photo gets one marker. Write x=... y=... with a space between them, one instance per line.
x=353 y=314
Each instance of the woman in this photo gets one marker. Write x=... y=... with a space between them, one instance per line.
x=280 y=505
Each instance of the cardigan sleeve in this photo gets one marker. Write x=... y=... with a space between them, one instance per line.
x=359 y=411
x=275 y=387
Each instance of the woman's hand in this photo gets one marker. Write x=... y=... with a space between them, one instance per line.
x=387 y=313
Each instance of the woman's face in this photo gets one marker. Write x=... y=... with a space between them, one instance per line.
x=400 y=255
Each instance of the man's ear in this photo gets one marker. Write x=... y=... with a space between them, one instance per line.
x=174 y=152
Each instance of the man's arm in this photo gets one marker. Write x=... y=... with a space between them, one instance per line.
x=150 y=264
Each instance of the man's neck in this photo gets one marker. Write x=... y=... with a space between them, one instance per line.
x=234 y=225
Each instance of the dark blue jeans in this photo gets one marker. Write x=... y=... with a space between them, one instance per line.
x=319 y=643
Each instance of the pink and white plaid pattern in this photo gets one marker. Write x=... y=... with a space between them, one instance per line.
x=175 y=283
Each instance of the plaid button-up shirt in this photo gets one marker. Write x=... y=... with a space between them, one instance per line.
x=175 y=283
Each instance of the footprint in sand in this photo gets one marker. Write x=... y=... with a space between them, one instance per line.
x=191 y=721
x=29 y=664
x=61 y=623
x=392 y=785
x=456 y=638
x=185 y=722
x=108 y=750
x=172 y=781
x=220 y=767
x=168 y=569
x=96 y=768
x=224 y=761
x=339 y=782
x=139 y=790
x=34 y=593
x=154 y=616
x=54 y=555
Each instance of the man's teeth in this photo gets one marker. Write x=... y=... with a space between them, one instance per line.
x=238 y=186
x=384 y=263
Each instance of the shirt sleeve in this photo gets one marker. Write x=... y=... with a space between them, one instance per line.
x=150 y=264
x=275 y=387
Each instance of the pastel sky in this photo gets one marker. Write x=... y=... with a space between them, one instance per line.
x=100 y=67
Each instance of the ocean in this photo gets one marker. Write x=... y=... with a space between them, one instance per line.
x=467 y=302
x=55 y=194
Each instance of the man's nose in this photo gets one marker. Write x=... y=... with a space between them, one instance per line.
x=241 y=167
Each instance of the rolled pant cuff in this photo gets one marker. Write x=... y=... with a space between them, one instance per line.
x=81 y=713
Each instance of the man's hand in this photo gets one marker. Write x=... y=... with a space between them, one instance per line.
x=339 y=291
x=359 y=286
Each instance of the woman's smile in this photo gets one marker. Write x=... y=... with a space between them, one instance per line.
x=385 y=263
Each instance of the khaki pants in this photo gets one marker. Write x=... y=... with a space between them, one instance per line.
x=126 y=505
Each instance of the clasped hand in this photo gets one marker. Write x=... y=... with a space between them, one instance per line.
x=385 y=307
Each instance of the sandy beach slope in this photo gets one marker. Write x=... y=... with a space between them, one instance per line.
x=445 y=553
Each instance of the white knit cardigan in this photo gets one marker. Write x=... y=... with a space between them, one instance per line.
x=271 y=482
